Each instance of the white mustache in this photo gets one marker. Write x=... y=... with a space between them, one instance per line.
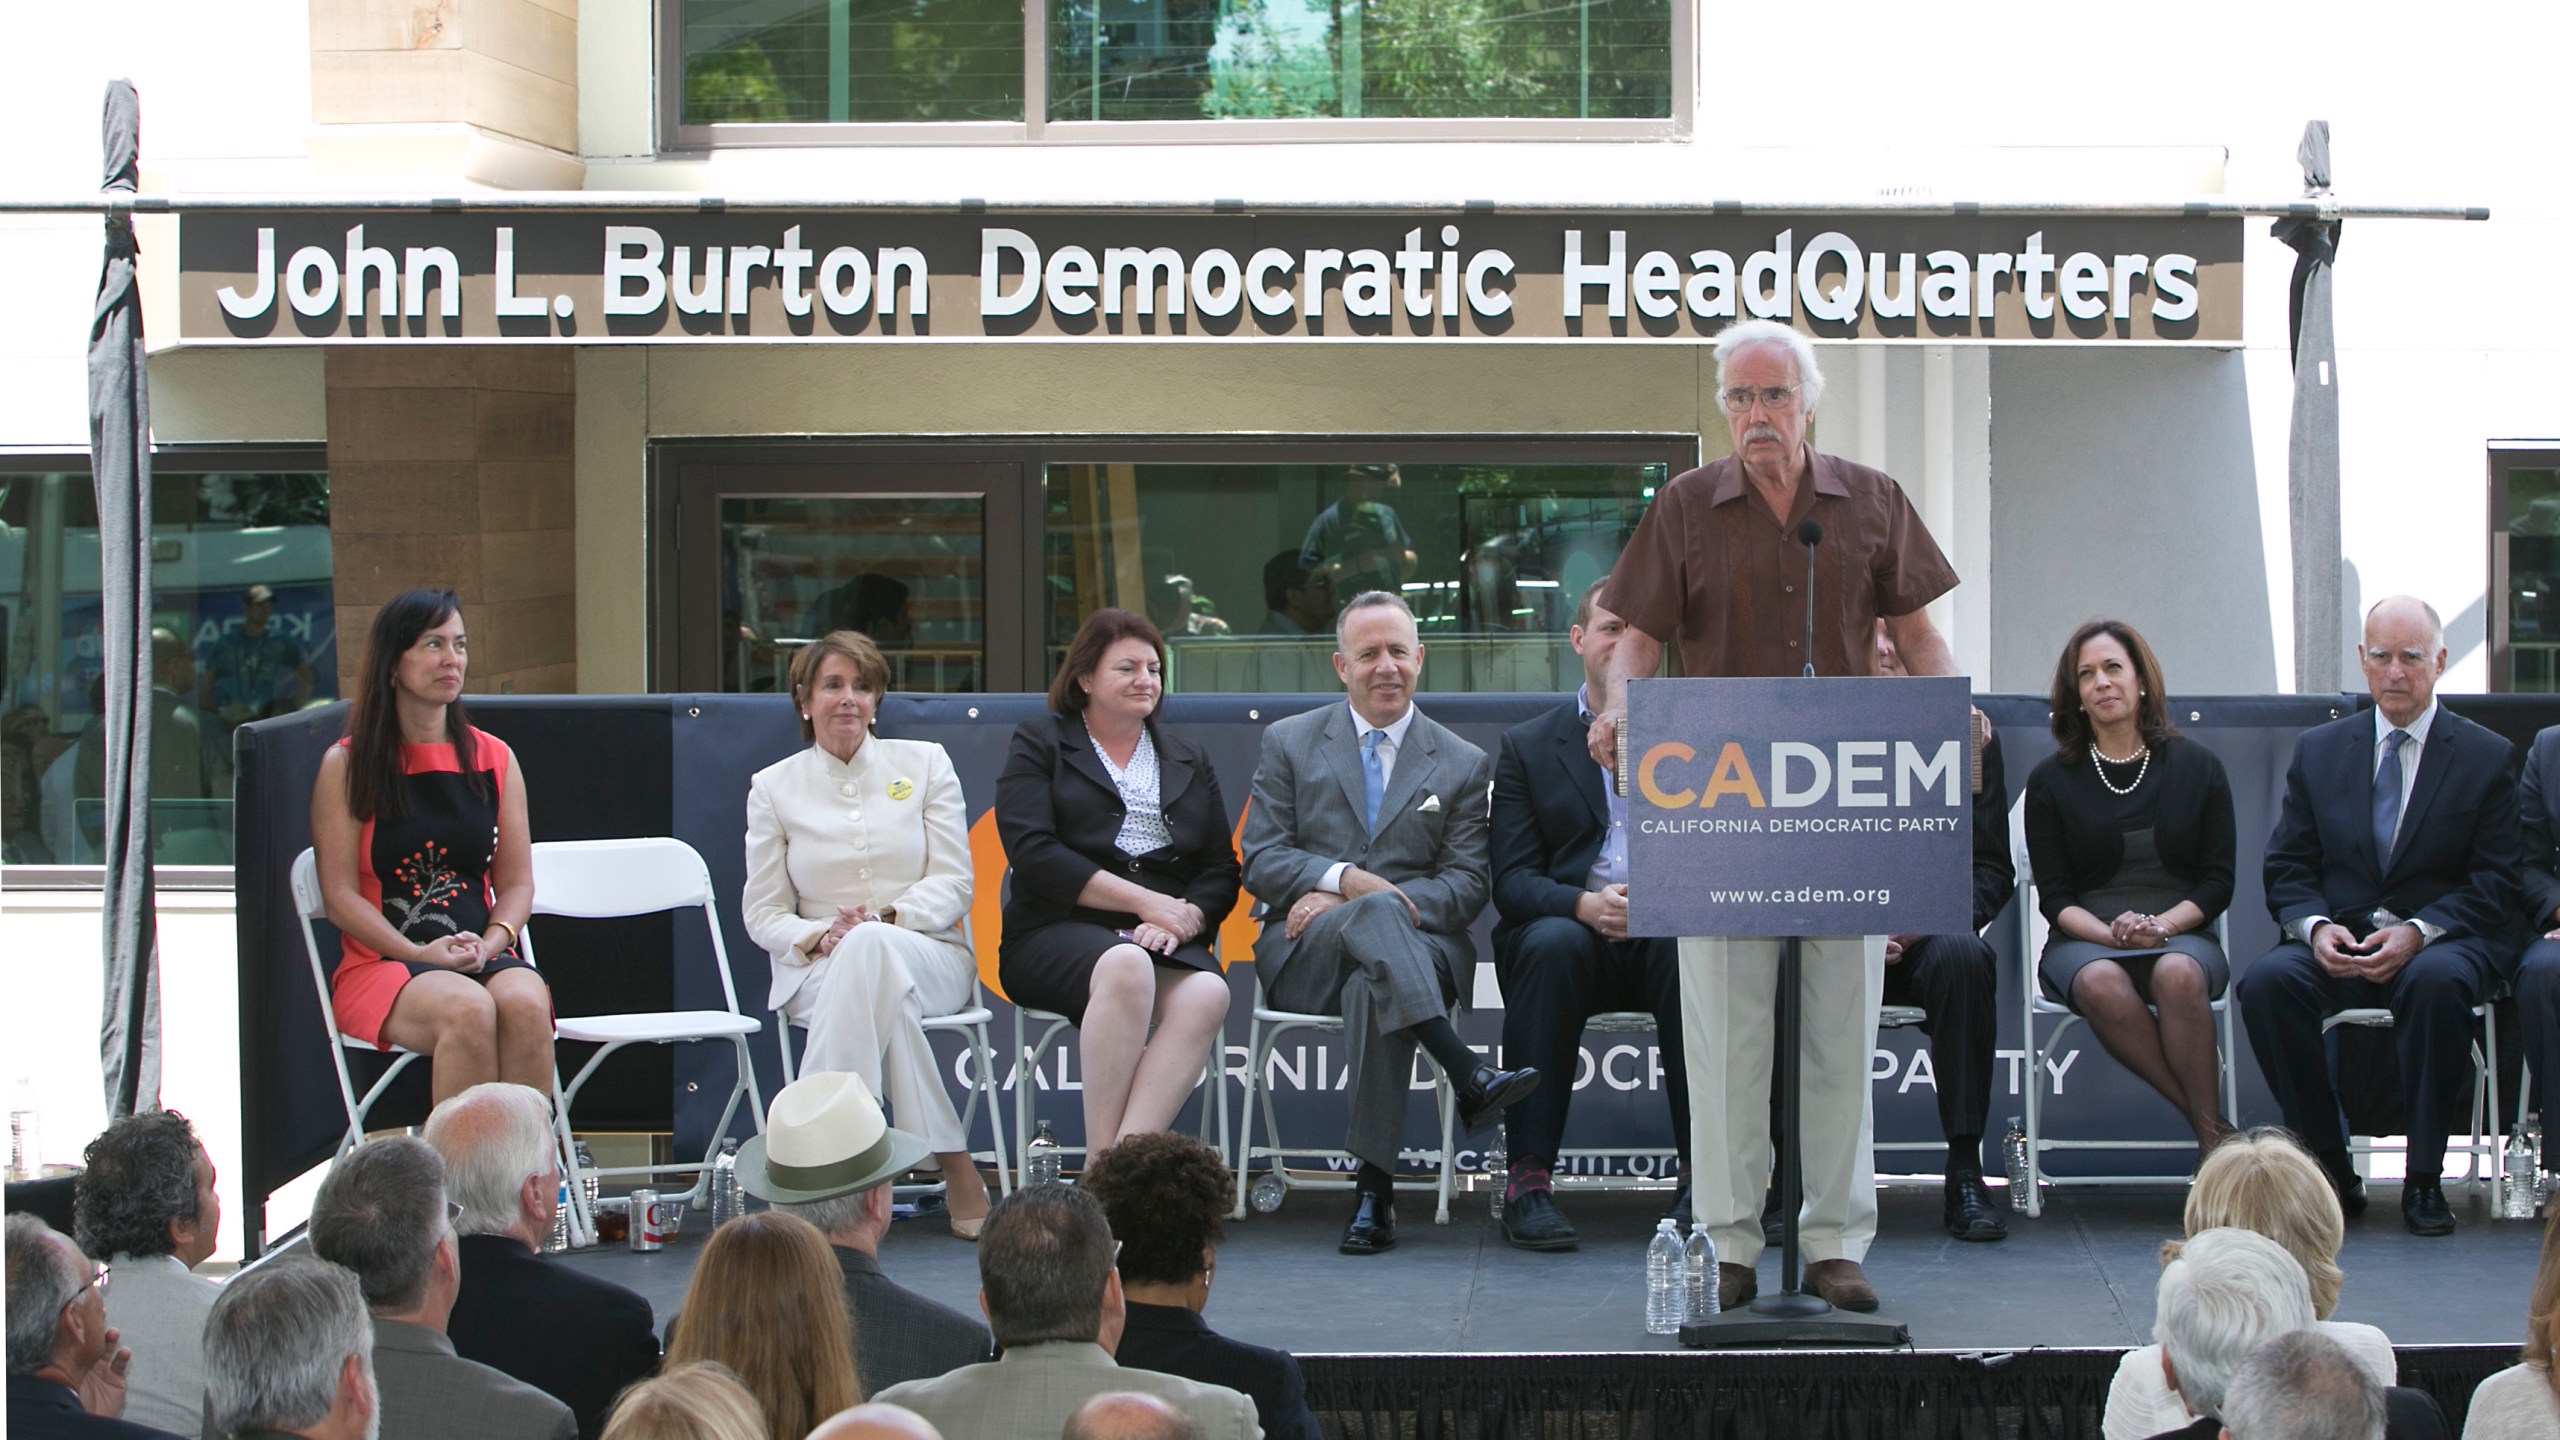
x=1762 y=432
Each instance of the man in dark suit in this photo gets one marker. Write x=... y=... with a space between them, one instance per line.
x=573 y=1336
x=2392 y=875
x=827 y=1155
x=1366 y=840
x=2537 y=980
x=66 y=1371
x=1561 y=949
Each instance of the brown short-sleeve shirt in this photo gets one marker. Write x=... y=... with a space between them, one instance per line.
x=1714 y=568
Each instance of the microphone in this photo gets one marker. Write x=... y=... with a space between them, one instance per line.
x=1808 y=534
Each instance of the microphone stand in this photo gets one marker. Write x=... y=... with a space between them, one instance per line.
x=1792 y=1317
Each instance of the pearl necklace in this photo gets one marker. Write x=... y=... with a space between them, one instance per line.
x=2101 y=768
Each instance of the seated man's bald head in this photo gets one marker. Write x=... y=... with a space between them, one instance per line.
x=876 y=1421
x=1126 y=1415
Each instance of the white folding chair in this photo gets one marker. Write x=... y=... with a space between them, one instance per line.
x=1903 y=1017
x=970 y=1024
x=2485 y=1148
x=1268 y=1193
x=1028 y=1055
x=2034 y=1004
x=599 y=879
x=311 y=907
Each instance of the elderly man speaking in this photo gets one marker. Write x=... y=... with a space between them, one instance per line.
x=1717 y=565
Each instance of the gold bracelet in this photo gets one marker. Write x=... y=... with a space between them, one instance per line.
x=512 y=932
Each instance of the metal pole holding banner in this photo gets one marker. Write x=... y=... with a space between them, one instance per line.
x=2311 y=459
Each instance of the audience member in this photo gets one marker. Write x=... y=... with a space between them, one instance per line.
x=828 y=1156
x=696 y=1401
x=1124 y=864
x=875 y=1421
x=1166 y=1196
x=2521 y=1402
x=1053 y=1298
x=2260 y=1181
x=1127 y=1415
x=571 y=1335
x=289 y=1351
x=2302 y=1386
x=146 y=1203
x=2392 y=875
x=66 y=1369
x=766 y=1301
x=2225 y=1293
x=382 y=1214
x=1297 y=596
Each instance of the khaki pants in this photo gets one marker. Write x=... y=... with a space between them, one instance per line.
x=1728 y=1011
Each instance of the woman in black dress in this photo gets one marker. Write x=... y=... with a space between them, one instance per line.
x=2130 y=834
x=1123 y=867
x=418 y=830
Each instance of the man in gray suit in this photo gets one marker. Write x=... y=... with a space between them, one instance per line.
x=382 y=1214
x=1052 y=1294
x=1367 y=833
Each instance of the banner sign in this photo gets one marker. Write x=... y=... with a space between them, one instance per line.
x=1800 y=807
x=735 y=275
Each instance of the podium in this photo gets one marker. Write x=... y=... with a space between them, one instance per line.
x=1789 y=808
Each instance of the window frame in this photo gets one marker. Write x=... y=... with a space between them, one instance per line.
x=173 y=459
x=2505 y=457
x=671 y=460
x=675 y=137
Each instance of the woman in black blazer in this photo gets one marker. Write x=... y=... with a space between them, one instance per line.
x=1123 y=867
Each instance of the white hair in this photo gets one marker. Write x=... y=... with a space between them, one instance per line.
x=1769 y=332
x=835 y=1214
x=2228 y=1292
x=276 y=1342
x=44 y=1276
x=2304 y=1386
x=494 y=1137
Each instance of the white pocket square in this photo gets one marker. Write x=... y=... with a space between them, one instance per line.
x=1430 y=806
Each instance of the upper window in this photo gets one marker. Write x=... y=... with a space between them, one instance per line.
x=1025 y=65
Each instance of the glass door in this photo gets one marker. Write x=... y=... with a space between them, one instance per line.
x=770 y=553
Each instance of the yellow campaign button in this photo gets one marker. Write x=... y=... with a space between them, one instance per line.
x=901 y=788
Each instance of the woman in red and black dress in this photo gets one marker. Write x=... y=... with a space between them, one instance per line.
x=418 y=827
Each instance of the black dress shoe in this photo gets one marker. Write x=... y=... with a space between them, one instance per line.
x=2350 y=1188
x=1488 y=1092
x=1969 y=1213
x=1531 y=1221
x=2422 y=1206
x=1773 y=1219
x=1373 y=1225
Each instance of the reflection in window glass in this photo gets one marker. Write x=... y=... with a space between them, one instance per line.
x=2533 y=580
x=1244 y=566
x=907 y=571
x=245 y=627
x=785 y=61
x=1293 y=59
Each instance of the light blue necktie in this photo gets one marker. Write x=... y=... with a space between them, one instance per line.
x=1373 y=776
x=2386 y=796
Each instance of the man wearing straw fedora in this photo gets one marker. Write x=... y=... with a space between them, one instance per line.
x=828 y=1156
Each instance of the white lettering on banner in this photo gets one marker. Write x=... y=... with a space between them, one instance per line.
x=416 y=264
x=622 y=265
x=260 y=300
x=510 y=304
x=364 y=260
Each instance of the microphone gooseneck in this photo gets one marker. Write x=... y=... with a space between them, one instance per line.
x=1808 y=534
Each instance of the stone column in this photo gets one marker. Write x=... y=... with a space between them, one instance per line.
x=454 y=466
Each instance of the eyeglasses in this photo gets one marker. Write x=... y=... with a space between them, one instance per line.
x=1773 y=398
x=97 y=1281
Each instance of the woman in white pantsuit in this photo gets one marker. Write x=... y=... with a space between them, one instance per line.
x=858 y=876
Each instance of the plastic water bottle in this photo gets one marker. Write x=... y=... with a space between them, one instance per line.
x=559 y=1240
x=2520 y=1188
x=2021 y=1179
x=588 y=1185
x=26 y=1133
x=1044 y=1165
x=1663 y=1282
x=728 y=1202
x=1497 y=1167
x=1698 y=1266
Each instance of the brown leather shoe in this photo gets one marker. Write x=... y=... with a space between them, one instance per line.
x=1842 y=1283
x=1736 y=1285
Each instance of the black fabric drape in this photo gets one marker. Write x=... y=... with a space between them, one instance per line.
x=120 y=467
x=2312 y=456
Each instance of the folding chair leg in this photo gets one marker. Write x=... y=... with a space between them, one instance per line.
x=582 y=1220
x=1243 y=1166
x=1448 y=1098
x=991 y=1088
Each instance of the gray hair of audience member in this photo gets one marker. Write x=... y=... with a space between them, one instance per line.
x=493 y=1137
x=2303 y=1386
x=873 y=1420
x=1733 y=338
x=1044 y=1259
x=1368 y=600
x=835 y=1214
x=136 y=1177
x=2228 y=1292
x=1128 y=1415
x=380 y=1213
x=277 y=1341
x=44 y=1275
